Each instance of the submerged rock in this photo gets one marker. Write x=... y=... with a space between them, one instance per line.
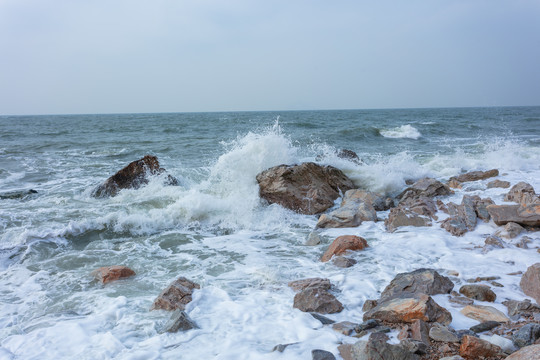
x=498 y=184
x=307 y=188
x=14 y=195
x=478 y=292
x=342 y=244
x=511 y=230
x=176 y=296
x=299 y=285
x=179 y=321
x=107 y=274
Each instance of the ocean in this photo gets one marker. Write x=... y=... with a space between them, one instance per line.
x=215 y=230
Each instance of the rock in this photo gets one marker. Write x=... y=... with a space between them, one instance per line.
x=366 y=325
x=344 y=327
x=282 y=347
x=476 y=175
x=350 y=215
x=454 y=357
x=528 y=215
x=498 y=184
x=313 y=239
x=299 y=285
x=526 y=335
x=420 y=331
x=414 y=346
x=485 y=326
x=400 y=216
x=441 y=333
x=530 y=282
x=133 y=176
x=425 y=281
x=527 y=353
x=521 y=307
x=407 y=308
x=523 y=243
x=111 y=273
x=176 y=296
x=510 y=231
x=368 y=305
x=426 y=187
x=342 y=244
x=317 y=300
x=483 y=278
x=478 y=292
x=468 y=212
x=494 y=241
x=374 y=349
x=522 y=193
x=473 y=348
x=504 y=343
x=461 y=300
x=349 y=155
x=323 y=319
x=454 y=184
x=179 y=321
x=480 y=206
x=16 y=195
x=455 y=226
x=423 y=206
x=484 y=313
x=379 y=202
x=307 y=188
x=322 y=355
x=343 y=262
x=464 y=332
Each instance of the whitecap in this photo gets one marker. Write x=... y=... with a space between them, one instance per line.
x=402 y=132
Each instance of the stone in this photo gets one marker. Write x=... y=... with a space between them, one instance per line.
x=483 y=278
x=342 y=244
x=407 y=308
x=423 y=206
x=521 y=307
x=530 y=282
x=313 y=239
x=526 y=335
x=528 y=215
x=350 y=215
x=476 y=175
x=133 y=176
x=441 y=333
x=478 y=292
x=498 y=184
x=344 y=327
x=480 y=206
x=455 y=226
x=473 y=348
x=531 y=352
x=420 y=331
x=368 y=305
x=18 y=195
x=345 y=350
x=317 y=300
x=485 y=326
x=179 y=321
x=282 y=347
x=425 y=281
x=299 y=285
x=379 y=202
x=523 y=243
x=349 y=155
x=401 y=216
x=374 y=349
x=468 y=212
x=366 y=325
x=323 y=319
x=343 y=262
x=426 y=187
x=522 y=193
x=511 y=230
x=454 y=357
x=176 y=296
x=107 y=274
x=322 y=355
x=484 y=313
x=454 y=184
x=414 y=346
x=307 y=188
x=461 y=300
x=494 y=241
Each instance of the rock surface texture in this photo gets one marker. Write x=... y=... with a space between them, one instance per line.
x=176 y=296
x=530 y=282
x=111 y=273
x=342 y=244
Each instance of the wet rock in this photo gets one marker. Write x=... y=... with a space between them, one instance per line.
x=299 y=285
x=323 y=319
x=401 y=216
x=133 y=176
x=484 y=313
x=468 y=212
x=424 y=206
x=461 y=300
x=424 y=281
x=366 y=325
x=282 y=347
x=522 y=193
x=455 y=226
x=480 y=206
x=526 y=335
x=407 y=308
x=349 y=155
x=426 y=187
x=344 y=327
x=322 y=355
x=527 y=353
x=510 y=231
x=454 y=184
x=343 y=262
x=473 y=348
x=476 y=175
x=478 y=292
x=350 y=215
x=498 y=184
x=176 y=296
x=485 y=326
x=307 y=188
x=15 y=195
x=528 y=215
x=494 y=241
x=414 y=346
x=483 y=278
x=313 y=239
x=523 y=243
x=521 y=307
x=441 y=333
x=107 y=274
x=530 y=282
x=342 y=244
x=317 y=300
x=179 y=321
x=379 y=202
x=368 y=305
x=375 y=349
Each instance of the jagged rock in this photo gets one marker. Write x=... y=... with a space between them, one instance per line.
x=322 y=355
x=366 y=325
x=407 y=308
x=344 y=327
x=527 y=353
x=350 y=215
x=468 y=212
x=521 y=307
x=441 y=333
x=299 y=285
x=522 y=193
x=426 y=187
x=176 y=296
x=464 y=216
x=461 y=300
x=343 y=262
x=317 y=300
x=530 y=282
x=179 y=321
x=417 y=331
x=15 y=195
x=424 y=206
x=414 y=346
x=400 y=216
x=528 y=215
x=343 y=244
x=349 y=155
x=133 y=176
x=323 y=319
x=476 y=175
x=379 y=202
x=484 y=313
x=424 y=281
x=480 y=206
x=511 y=230
x=368 y=305
x=478 y=292
x=494 y=241
x=498 y=184
x=313 y=239
x=473 y=348
x=455 y=226
x=111 y=273
x=307 y=188
x=375 y=349
x=526 y=335
x=485 y=326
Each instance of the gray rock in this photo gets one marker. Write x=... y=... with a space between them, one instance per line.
x=476 y=175
x=179 y=321
x=323 y=319
x=343 y=262
x=478 y=292
x=414 y=346
x=464 y=332
x=425 y=281
x=455 y=225
x=426 y=187
x=441 y=333
x=522 y=193
x=368 y=305
x=498 y=184
x=423 y=206
x=530 y=282
x=350 y=215
x=494 y=241
x=299 y=285
x=521 y=307
x=313 y=239
x=176 y=296
x=468 y=212
x=378 y=350
x=528 y=215
x=379 y=202
x=485 y=326
x=401 y=216
x=523 y=243
x=17 y=195
x=322 y=355
x=317 y=300
x=344 y=327
x=454 y=357
x=282 y=347
x=526 y=335
x=366 y=325
x=480 y=206
x=511 y=230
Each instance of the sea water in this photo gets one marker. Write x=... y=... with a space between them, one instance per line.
x=215 y=230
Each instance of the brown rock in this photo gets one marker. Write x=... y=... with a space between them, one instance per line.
x=455 y=226
x=299 y=285
x=368 y=305
x=307 y=188
x=343 y=262
x=478 y=292
x=480 y=206
x=379 y=202
x=342 y=244
x=424 y=187
x=476 y=175
x=317 y=300
x=111 y=273
x=473 y=348
x=350 y=215
x=344 y=327
x=498 y=184
x=510 y=231
x=521 y=307
x=494 y=241
x=531 y=352
x=423 y=206
x=454 y=184
x=400 y=216
x=176 y=296
x=484 y=313
x=530 y=282
x=528 y=215
x=522 y=193
x=423 y=281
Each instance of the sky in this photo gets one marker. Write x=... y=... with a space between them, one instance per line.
x=130 y=56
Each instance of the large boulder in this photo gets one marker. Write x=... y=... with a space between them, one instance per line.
x=530 y=282
x=307 y=188
x=133 y=176
x=473 y=348
x=342 y=244
x=421 y=281
x=526 y=335
x=375 y=349
x=111 y=273
x=426 y=187
x=522 y=193
x=176 y=296
x=478 y=292
x=316 y=299
x=528 y=215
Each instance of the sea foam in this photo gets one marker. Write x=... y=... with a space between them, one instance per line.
x=402 y=132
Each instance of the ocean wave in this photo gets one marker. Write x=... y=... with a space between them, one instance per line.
x=402 y=132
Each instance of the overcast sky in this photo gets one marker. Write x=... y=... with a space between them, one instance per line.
x=108 y=56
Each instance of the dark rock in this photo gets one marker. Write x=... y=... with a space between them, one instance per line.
x=282 y=347
x=376 y=350
x=531 y=352
x=441 y=333
x=176 y=296
x=414 y=346
x=111 y=273
x=425 y=281
x=307 y=188
x=343 y=262
x=322 y=355
x=530 y=282
x=342 y=244
x=344 y=327
x=425 y=187
x=366 y=325
x=299 y=285
x=349 y=155
x=179 y=321
x=323 y=319
x=478 y=292
x=464 y=332
x=480 y=206
x=528 y=215
x=401 y=216
x=368 y=305
x=522 y=193
x=455 y=226
x=314 y=238
x=468 y=212
x=133 y=176
x=476 y=175
x=526 y=335
x=485 y=326
x=498 y=184
x=317 y=300
x=521 y=307
x=15 y=195
x=473 y=348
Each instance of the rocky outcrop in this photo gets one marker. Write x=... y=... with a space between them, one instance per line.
x=484 y=313
x=530 y=282
x=107 y=274
x=473 y=348
x=426 y=187
x=475 y=176
x=528 y=215
x=478 y=292
x=342 y=244
x=176 y=296
x=307 y=188
x=133 y=176
x=401 y=216
x=421 y=281
x=522 y=193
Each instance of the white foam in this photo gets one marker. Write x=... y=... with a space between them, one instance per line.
x=402 y=132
